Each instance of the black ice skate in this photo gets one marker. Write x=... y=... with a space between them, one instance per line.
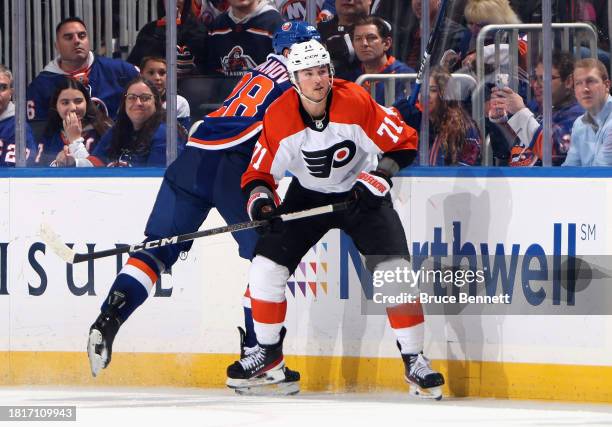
x=102 y=334
x=253 y=387
x=424 y=382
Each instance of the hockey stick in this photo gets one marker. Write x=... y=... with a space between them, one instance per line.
x=71 y=257
x=427 y=54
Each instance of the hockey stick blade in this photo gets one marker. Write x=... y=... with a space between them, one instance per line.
x=71 y=257
x=53 y=240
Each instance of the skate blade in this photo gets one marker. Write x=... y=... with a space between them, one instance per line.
x=425 y=393
x=278 y=389
x=274 y=376
x=96 y=361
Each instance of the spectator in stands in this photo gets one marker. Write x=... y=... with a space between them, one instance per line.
x=398 y=13
x=7 y=123
x=372 y=41
x=592 y=132
x=105 y=78
x=139 y=136
x=154 y=70
x=454 y=138
x=190 y=39
x=454 y=37
x=74 y=124
x=527 y=151
x=241 y=38
x=479 y=13
x=335 y=34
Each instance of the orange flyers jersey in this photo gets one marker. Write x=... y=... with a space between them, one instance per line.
x=357 y=132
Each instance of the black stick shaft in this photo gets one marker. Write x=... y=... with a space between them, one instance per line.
x=433 y=34
x=80 y=257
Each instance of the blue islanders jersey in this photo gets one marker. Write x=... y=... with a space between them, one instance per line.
x=7 y=142
x=239 y=119
x=235 y=47
x=105 y=78
x=49 y=148
x=156 y=157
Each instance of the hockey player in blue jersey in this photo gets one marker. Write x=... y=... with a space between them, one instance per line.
x=207 y=174
x=104 y=77
x=7 y=123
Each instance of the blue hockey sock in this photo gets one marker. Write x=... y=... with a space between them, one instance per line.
x=135 y=294
x=134 y=282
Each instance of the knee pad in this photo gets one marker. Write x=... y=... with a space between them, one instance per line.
x=267 y=279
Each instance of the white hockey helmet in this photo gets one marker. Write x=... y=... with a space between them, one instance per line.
x=307 y=55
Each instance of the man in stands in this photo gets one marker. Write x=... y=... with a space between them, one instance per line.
x=592 y=132
x=527 y=126
x=104 y=77
x=7 y=123
x=241 y=37
x=372 y=40
x=336 y=35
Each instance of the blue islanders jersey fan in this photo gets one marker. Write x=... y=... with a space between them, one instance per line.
x=104 y=77
x=7 y=139
x=237 y=45
x=49 y=147
x=563 y=119
x=155 y=156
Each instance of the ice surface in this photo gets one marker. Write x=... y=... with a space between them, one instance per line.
x=117 y=407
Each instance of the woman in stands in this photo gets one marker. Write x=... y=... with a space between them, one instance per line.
x=454 y=138
x=139 y=136
x=74 y=124
x=154 y=69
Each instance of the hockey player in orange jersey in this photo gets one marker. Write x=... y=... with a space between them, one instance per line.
x=338 y=144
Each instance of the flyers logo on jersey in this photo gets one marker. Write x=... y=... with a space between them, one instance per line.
x=320 y=163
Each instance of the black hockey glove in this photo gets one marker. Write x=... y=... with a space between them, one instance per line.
x=261 y=206
x=370 y=190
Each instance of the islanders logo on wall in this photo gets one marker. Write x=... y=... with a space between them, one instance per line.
x=310 y=276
